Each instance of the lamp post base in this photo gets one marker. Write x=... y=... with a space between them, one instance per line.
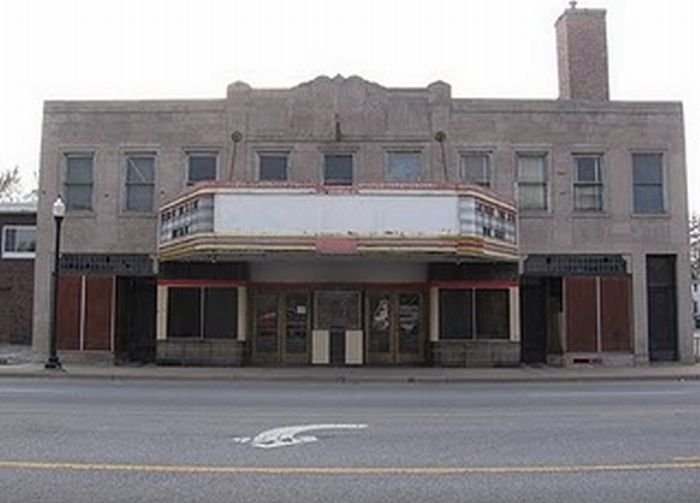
x=53 y=363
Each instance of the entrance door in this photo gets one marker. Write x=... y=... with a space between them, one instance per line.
x=337 y=312
x=395 y=332
x=661 y=307
x=281 y=327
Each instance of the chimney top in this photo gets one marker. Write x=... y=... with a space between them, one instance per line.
x=582 y=54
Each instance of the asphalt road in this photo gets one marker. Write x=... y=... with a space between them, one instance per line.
x=106 y=441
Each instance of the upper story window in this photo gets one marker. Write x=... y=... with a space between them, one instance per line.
x=337 y=169
x=588 y=183
x=273 y=166
x=201 y=166
x=532 y=181
x=475 y=168
x=140 y=182
x=403 y=166
x=78 y=181
x=647 y=175
x=18 y=241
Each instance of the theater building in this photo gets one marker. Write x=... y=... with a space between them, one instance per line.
x=340 y=222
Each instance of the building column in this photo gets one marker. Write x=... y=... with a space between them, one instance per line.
x=161 y=312
x=514 y=314
x=242 y=329
x=434 y=332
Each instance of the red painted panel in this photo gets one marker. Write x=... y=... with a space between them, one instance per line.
x=98 y=313
x=68 y=312
x=581 y=314
x=615 y=313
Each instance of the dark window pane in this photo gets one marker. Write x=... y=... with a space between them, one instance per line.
x=337 y=169
x=403 y=166
x=475 y=169
x=273 y=167
x=79 y=169
x=265 y=323
x=456 y=314
x=220 y=313
x=140 y=169
x=379 y=323
x=297 y=333
x=139 y=198
x=492 y=319
x=78 y=197
x=409 y=323
x=647 y=168
x=587 y=169
x=201 y=167
x=9 y=240
x=648 y=199
x=184 y=313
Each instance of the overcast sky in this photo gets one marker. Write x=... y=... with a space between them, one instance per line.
x=141 y=49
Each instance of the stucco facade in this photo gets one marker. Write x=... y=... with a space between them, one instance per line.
x=367 y=122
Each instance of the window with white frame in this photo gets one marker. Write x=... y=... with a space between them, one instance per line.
x=475 y=168
x=201 y=166
x=532 y=181
x=18 y=242
x=647 y=175
x=403 y=166
x=79 y=181
x=139 y=181
x=273 y=166
x=588 y=183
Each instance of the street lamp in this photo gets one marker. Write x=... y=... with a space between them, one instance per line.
x=58 y=210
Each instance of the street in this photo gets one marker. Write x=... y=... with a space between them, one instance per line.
x=82 y=440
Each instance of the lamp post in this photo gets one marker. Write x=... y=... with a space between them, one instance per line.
x=58 y=210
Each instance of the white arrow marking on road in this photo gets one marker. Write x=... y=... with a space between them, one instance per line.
x=286 y=435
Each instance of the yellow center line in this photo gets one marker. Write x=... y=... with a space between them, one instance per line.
x=349 y=470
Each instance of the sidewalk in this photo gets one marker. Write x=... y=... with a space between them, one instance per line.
x=362 y=374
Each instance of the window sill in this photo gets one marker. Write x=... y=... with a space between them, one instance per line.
x=589 y=214
x=137 y=215
x=535 y=214
x=80 y=214
x=18 y=256
x=651 y=216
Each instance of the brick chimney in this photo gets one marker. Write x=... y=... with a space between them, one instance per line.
x=583 y=55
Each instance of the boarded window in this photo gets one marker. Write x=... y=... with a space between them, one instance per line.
x=403 y=166
x=220 y=313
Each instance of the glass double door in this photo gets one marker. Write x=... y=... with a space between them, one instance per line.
x=281 y=324
x=395 y=331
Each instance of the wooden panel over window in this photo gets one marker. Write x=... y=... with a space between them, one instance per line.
x=581 y=314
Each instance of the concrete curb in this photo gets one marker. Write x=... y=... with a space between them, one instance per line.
x=409 y=376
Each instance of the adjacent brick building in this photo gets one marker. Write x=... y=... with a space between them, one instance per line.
x=344 y=222
x=18 y=245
